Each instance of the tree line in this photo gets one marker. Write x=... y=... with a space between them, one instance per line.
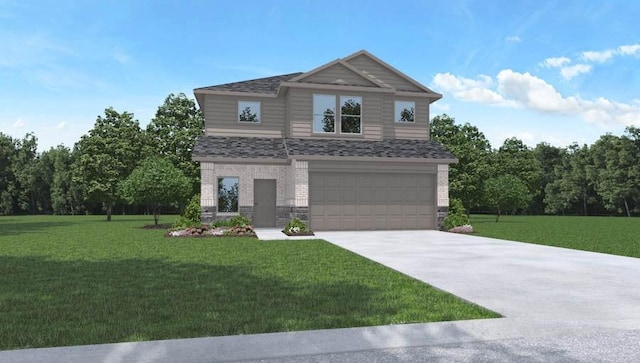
x=598 y=179
x=98 y=173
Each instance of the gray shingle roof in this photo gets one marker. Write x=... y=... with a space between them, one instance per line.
x=282 y=149
x=240 y=147
x=260 y=85
x=391 y=148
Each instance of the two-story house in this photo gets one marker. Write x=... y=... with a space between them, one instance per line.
x=344 y=146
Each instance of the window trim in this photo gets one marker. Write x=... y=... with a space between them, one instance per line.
x=337 y=122
x=258 y=114
x=218 y=212
x=395 y=109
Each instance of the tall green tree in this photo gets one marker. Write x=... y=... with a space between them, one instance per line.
x=550 y=158
x=7 y=179
x=173 y=131
x=473 y=150
x=615 y=172
x=107 y=155
x=64 y=196
x=517 y=159
x=506 y=193
x=154 y=183
x=24 y=167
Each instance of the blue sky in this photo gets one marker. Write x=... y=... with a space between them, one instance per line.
x=554 y=71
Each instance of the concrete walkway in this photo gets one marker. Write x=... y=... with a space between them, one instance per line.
x=559 y=305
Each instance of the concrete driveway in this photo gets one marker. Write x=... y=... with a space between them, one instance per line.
x=539 y=288
x=559 y=305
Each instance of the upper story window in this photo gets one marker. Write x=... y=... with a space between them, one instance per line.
x=350 y=115
x=405 y=111
x=324 y=114
x=248 y=111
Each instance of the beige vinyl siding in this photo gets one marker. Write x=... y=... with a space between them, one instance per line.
x=301 y=110
x=338 y=72
x=366 y=64
x=301 y=104
x=418 y=130
x=221 y=117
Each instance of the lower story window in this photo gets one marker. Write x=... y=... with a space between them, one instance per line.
x=228 y=195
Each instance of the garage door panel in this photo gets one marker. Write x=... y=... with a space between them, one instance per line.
x=365 y=201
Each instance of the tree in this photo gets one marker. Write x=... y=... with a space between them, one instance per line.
x=517 y=159
x=329 y=121
x=24 y=172
x=154 y=183
x=506 y=193
x=549 y=157
x=7 y=182
x=247 y=116
x=473 y=150
x=407 y=115
x=173 y=131
x=349 y=123
x=615 y=171
x=106 y=155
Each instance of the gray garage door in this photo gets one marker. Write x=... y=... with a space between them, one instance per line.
x=361 y=201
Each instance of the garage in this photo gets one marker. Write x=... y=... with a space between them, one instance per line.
x=371 y=201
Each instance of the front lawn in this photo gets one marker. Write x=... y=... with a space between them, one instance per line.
x=613 y=235
x=68 y=280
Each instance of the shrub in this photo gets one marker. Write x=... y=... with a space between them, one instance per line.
x=296 y=226
x=192 y=209
x=240 y=221
x=237 y=221
x=191 y=215
x=457 y=216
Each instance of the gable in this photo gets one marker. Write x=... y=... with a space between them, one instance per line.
x=336 y=73
x=374 y=69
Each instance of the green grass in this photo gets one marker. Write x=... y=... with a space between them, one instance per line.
x=613 y=235
x=81 y=280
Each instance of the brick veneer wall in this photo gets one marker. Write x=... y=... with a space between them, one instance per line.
x=442 y=193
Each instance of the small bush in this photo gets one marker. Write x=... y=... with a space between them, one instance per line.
x=237 y=221
x=457 y=216
x=296 y=226
x=240 y=221
x=192 y=209
x=191 y=215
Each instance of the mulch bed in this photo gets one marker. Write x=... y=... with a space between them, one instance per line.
x=299 y=234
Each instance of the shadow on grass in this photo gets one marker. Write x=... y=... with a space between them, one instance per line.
x=15 y=227
x=56 y=303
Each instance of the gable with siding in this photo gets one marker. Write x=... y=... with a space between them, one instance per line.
x=337 y=74
x=374 y=69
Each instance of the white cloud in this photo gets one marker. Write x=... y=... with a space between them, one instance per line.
x=467 y=89
x=19 y=124
x=555 y=62
x=572 y=71
x=599 y=57
x=513 y=38
x=516 y=89
x=61 y=125
x=631 y=49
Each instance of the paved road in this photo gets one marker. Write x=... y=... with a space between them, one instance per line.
x=559 y=305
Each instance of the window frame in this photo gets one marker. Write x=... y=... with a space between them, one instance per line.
x=337 y=117
x=397 y=115
x=324 y=114
x=218 y=196
x=341 y=97
x=241 y=108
